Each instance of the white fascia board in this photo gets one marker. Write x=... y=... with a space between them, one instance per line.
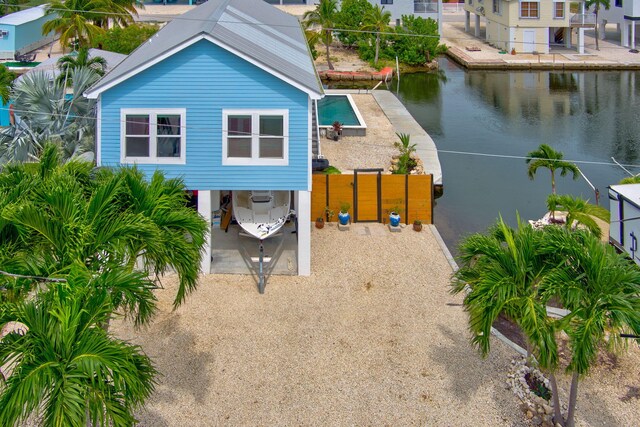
x=94 y=93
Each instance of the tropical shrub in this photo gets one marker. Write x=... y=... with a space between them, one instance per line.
x=125 y=39
x=44 y=113
x=64 y=367
x=414 y=50
x=406 y=162
x=350 y=17
x=57 y=214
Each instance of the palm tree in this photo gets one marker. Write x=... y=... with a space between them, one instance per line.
x=46 y=114
x=376 y=20
x=502 y=272
x=6 y=81
x=65 y=369
x=601 y=289
x=547 y=157
x=579 y=211
x=324 y=16
x=80 y=59
x=80 y=21
x=598 y=4
x=67 y=213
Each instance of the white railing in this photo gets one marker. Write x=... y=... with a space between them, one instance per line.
x=586 y=19
x=425 y=6
x=452 y=7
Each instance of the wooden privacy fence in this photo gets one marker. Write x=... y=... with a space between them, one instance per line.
x=373 y=195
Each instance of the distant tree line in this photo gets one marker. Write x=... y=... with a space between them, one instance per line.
x=359 y=25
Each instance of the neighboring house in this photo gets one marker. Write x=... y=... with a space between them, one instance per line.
x=21 y=32
x=624 y=231
x=50 y=65
x=197 y=99
x=624 y=13
x=420 y=8
x=528 y=26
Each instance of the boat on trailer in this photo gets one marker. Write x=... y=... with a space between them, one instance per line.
x=261 y=214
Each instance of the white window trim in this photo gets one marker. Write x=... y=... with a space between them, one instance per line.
x=153 y=137
x=255 y=138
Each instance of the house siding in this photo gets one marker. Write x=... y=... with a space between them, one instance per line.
x=206 y=79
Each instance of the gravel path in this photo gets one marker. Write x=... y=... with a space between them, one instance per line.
x=372 y=151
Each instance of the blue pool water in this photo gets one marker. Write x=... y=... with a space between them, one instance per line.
x=334 y=108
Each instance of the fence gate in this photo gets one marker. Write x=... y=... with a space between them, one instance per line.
x=367 y=192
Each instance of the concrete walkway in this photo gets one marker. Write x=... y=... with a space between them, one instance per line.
x=403 y=122
x=610 y=56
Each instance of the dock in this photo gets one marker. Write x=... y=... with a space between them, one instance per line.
x=403 y=122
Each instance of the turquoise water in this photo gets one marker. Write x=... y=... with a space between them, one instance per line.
x=334 y=108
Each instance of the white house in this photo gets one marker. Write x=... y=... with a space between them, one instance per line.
x=624 y=13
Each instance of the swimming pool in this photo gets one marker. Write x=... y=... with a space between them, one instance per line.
x=341 y=108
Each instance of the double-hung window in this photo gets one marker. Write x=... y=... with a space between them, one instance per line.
x=558 y=9
x=255 y=137
x=530 y=9
x=496 y=7
x=153 y=135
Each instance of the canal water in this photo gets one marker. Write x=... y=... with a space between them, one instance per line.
x=589 y=116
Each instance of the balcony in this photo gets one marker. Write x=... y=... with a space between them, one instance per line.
x=425 y=6
x=582 y=20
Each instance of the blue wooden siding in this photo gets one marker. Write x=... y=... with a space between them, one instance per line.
x=8 y=42
x=205 y=79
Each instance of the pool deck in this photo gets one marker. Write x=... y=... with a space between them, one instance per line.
x=403 y=122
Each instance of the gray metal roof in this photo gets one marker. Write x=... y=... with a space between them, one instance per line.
x=262 y=33
x=50 y=65
x=23 y=16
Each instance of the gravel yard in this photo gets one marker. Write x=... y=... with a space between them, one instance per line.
x=372 y=151
x=371 y=338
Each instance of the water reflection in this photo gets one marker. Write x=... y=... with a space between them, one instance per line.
x=589 y=116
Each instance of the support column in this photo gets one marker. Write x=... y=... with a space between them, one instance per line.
x=567 y=37
x=633 y=34
x=477 y=29
x=603 y=28
x=467 y=20
x=624 y=34
x=580 y=40
x=303 y=212
x=204 y=209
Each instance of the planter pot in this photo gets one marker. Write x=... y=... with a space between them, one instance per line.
x=417 y=227
x=319 y=223
x=394 y=219
x=344 y=218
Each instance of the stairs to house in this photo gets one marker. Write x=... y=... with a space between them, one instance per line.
x=559 y=35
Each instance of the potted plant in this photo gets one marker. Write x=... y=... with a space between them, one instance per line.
x=329 y=213
x=394 y=216
x=319 y=222
x=344 y=216
x=417 y=225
